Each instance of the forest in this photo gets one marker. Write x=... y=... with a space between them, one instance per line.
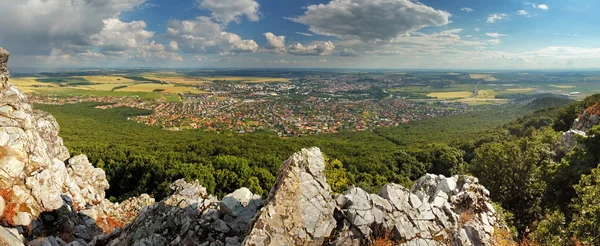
x=548 y=195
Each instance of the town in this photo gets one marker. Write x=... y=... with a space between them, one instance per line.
x=303 y=106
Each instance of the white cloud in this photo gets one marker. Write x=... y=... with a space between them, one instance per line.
x=315 y=49
x=119 y=36
x=477 y=29
x=495 y=34
x=305 y=34
x=174 y=46
x=226 y=11
x=542 y=6
x=202 y=35
x=275 y=43
x=496 y=17
x=200 y=58
x=468 y=10
x=37 y=27
x=522 y=12
x=370 y=20
x=494 y=41
x=349 y=52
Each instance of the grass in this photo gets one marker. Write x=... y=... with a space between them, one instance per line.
x=450 y=95
x=179 y=80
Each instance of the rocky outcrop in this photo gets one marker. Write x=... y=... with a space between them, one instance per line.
x=299 y=209
x=190 y=216
x=587 y=120
x=34 y=177
x=436 y=211
x=44 y=192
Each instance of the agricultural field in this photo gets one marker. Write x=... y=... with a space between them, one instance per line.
x=108 y=79
x=451 y=95
x=109 y=85
x=168 y=88
x=248 y=79
x=564 y=86
x=486 y=77
x=179 y=80
x=30 y=84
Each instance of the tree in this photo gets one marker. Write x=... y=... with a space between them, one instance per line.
x=513 y=173
x=586 y=219
x=337 y=177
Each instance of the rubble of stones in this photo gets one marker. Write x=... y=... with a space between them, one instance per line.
x=49 y=198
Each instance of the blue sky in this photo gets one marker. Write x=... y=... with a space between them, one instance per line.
x=444 y=34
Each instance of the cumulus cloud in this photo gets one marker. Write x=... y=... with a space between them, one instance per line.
x=496 y=17
x=537 y=6
x=315 y=49
x=39 y=27
x=202 y=35
x=522 y=12
x=370 y=20
x=119 y=36
x=468 y=10
x=495 y=34
x=346 y=52
x=226 y=11
x=275 y=43
x=477 y=29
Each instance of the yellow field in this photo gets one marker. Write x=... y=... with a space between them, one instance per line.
x=107 y=79
x=449 y=95
x=29 y=84
x=179 y=80
x=486 y=77
x=486 y=94
x=250 y=79
x=564 y=86
x=169 y=88
x=483 y=101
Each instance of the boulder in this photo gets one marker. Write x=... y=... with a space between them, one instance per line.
x=300 y=208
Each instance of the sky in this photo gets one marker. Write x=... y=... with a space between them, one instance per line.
x=388 y=34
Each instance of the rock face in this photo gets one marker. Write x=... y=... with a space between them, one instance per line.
x=299 y=209
x=589 y=119
x=34 y=177
x=50 y=198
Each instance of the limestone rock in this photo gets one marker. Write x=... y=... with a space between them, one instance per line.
x=299 y=209
x=34 y=177
x=10 y=237
x=190 y=216
x=587 y=120
x=433 y=212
